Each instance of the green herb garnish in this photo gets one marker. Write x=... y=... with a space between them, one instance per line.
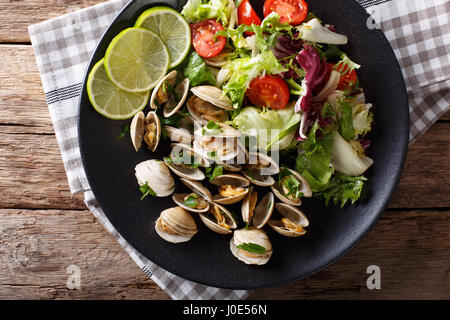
x=123 y=132
x=146 y=190
x=212 y=154
x=213 y=173
x=252 y=247
x=191 y=201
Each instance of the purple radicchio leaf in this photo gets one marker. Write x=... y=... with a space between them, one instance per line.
x=316 y=71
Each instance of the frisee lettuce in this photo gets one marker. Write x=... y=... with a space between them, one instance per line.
x=342 y=188
x=199 y=10
x=243 y=70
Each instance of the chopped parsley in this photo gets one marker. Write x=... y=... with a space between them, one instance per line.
x=123 y=132
x=252 y=247
x=146 y=190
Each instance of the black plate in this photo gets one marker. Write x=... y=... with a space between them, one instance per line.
x=207 y=259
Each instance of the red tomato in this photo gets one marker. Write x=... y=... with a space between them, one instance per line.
x=269 y=91
x=202 y=38
x=290 y=11
x=344 y=81
x=248 y=16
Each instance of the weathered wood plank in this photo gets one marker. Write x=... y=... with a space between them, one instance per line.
x=36 y=246
x=18 y=15
x=22 y=100
x=32 y=174
x=426 y=178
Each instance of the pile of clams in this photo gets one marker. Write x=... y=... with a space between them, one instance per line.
x=215 y=171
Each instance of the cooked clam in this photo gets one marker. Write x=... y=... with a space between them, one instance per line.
x=208 y=103
x=184 y=161
x=263 y=210
x=179 y=135
x=249 y=205
x=251 y=246
x=259 y=169
x=156 y=175
x=218 y=219
x=232 y=188
x=197 y=200
x=291 y=187
x=217 y=141
x=293 y=222
x=137 y=128
x=147 y=129
x=176 y=225
x=168 y=95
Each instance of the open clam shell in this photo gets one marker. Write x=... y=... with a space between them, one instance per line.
x=232 y=188
x=262 y=162
x=257 y=213
x=203 y=194
x=250 y=236
x=137 y=130
x=208 y=103
x=249 y=205
x=213 y=95
x=236 y=164
x=179 y=135
x=256 y=178
x=156 y=175
x=280 y=193
x=263 y=210
x=293 y=222
x=152 y=133
x=218 y=219
x=145 y=128
x=189 y=155
x=185 y=172
x=173 y=105
x=175 y=225
x=216 y=148
x=163 y=96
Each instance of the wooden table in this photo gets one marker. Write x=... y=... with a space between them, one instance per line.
x=44 y=229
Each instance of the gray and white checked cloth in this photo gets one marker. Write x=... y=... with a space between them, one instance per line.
x=418 y=31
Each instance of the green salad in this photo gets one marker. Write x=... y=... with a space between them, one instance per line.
x=249 y=105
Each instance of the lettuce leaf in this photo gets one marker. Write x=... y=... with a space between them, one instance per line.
x=313 y=162
x=197 y=71
x=199 y=10
x=243 y=70
x=273 y=129
x=342 y=188
x=346 y=160
x=346 y=128
x=362 y=118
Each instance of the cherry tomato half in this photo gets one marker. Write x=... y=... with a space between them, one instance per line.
x=269 y=91
x=248 y=16
x=203 y=38
x=290 y=11
x=344 y=81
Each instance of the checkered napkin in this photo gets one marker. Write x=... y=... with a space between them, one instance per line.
x=417 y=30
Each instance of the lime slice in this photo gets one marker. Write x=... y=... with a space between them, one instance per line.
x=136 y=60
x=111 y=101
x=171 y=27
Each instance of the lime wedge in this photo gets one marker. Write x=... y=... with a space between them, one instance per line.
x=171 y=27
x=111 y=101
x=136 y=60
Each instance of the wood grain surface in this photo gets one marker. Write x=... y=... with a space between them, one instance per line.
x=44 y=229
